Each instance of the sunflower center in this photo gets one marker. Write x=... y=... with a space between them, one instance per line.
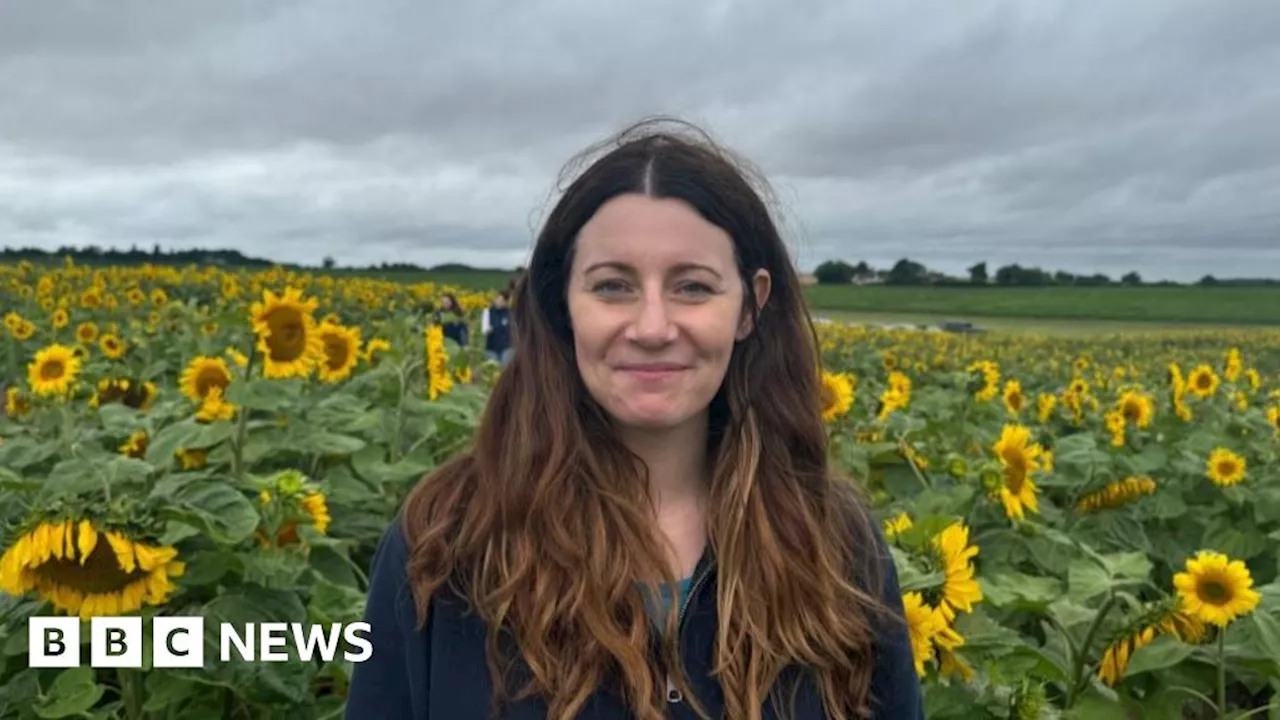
x=1213 y=591
x=287 y=336
x=209 y=379
x=52 y=370
x=1227 y=468
x=1132 y=411
x=336 y=351
x=1203 y=382
x=101 y=573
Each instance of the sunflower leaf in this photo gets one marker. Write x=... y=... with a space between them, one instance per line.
x=1163 y=652
x=220 y=511
x=20 y=453
x=1268 y=636
x=72 y=693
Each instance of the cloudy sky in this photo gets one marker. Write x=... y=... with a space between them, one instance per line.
x=1088 y=136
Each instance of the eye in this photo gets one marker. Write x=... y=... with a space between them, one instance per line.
x=609 y=287
x=695 y=288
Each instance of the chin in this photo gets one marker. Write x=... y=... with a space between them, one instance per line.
x=653 y=418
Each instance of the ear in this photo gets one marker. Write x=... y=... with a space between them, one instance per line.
x=761 y=285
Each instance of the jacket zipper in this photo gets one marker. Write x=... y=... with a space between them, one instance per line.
x=674 y=696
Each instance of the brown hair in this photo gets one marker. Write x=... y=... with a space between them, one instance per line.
x=545 y=525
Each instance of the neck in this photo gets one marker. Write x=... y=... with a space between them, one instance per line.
x=676 y=459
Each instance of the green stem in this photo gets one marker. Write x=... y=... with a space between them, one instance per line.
x=1082 y=656
x=1222 y=674
x=242 y=426
x=130 y=692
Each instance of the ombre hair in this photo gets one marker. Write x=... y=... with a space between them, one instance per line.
x=545 y=527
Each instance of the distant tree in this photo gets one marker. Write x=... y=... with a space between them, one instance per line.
x=862 y=269
x=906 y=272
x=1208 y=280
x=1016 y=275
x=1063 y=277
x=329 y=263
x=1095 y=280
x=1131 y=278
x=978 y=274
x=834 y=272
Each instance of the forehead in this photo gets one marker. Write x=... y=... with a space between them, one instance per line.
x=641 y=230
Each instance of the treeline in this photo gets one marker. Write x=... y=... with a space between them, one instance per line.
x=910 y=272
x=94 y=255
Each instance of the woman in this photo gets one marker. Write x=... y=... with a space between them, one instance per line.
x=657 y=437
x=452 y=320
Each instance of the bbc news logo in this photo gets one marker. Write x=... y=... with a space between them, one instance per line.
x=179 y=642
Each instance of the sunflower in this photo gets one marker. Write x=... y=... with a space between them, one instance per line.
x=960 y=590
x=896 y=526
x=1045 y=404
x=837 y=394
x=53 y=371
x=1019 y=458
x=1114 y=420
x=1273 y=417
x=1255 y=380
x=193 y=458
x=286 y=330
x=1136 y=408
x=374 y=346
x=439 y=381
x=312 y=508
x=111 y=346
x=86 y=570
x=215 y=407
x=1014 y=400
x=1203 y=381
x=923 y=625
x=15 y=403
x=1224 y=467
x=91 y=299
x=61 y=318
x=1215 y=589
x=203 y=374
x=136 y=445
x=129 y=393
x=1116 y=494
x=87 y=332
x=341 y=351
x=24 y=330
x=1115 y=659
x=1232 y=367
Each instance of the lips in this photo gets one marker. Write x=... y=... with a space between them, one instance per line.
x=652 y=371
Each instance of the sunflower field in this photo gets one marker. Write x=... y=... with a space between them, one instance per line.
x=1082 y=528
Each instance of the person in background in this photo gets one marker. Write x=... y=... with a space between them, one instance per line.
x=495 y=325
x=452 y=320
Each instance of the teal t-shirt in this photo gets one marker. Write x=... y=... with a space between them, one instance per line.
x=658 y=610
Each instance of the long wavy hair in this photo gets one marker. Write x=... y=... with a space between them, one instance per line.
x=545 y=526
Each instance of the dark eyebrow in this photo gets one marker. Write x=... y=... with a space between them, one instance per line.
x=683 y=267
x=621 y=267
x=625 y=268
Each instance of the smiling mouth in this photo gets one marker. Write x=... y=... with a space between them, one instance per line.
x=652 y=371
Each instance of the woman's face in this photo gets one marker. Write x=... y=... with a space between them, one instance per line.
x=656 y=305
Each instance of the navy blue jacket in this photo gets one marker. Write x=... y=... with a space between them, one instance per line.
x=439 y=672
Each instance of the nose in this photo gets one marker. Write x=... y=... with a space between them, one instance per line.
x=652 y=323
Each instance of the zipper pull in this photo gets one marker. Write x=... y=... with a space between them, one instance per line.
x=674 y=696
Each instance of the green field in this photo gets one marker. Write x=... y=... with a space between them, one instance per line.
x=1191 y=305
